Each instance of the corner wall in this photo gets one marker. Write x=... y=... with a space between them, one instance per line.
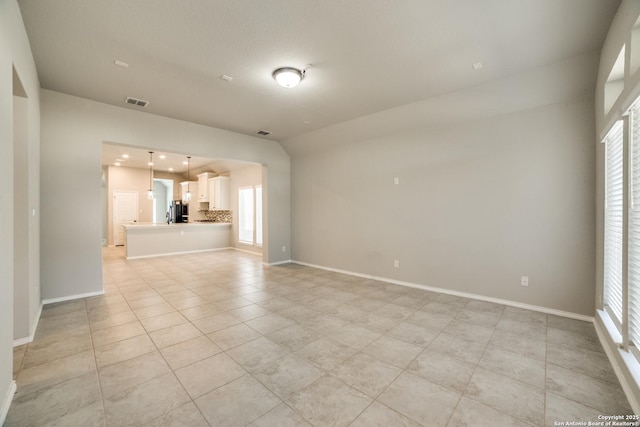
x=495 y=182
x=73 y=130
x=15 y=52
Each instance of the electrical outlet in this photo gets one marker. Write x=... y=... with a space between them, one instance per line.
x=524 y=280
x=396 y=181
x=396 y=263
x=284 y=249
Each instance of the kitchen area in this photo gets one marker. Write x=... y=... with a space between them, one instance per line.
x=159 y=204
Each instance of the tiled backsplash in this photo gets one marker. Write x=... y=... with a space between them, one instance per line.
x=218 y=216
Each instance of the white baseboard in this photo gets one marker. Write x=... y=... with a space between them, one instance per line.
x=6 y=402
x=72 y=297
x=32 y=334
x=179 y=253
x=286 y=261
x=516 y=304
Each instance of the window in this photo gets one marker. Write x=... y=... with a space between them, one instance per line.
x=613 y=223
x=259 y=215
x=250 y=215
x=633 y=258
x=245 y=215
x=621 y=292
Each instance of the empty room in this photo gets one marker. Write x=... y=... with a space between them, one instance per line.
x=320 y=213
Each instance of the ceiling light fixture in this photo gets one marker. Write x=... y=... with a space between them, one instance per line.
x=150 y=194
x=288 y=76
x=187 y=196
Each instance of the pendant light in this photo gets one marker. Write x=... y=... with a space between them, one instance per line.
x=150 y=194
x=187 y=197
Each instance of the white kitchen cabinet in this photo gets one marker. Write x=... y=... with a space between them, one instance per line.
x=192 y=187
x=203 y=186
x=219 y=193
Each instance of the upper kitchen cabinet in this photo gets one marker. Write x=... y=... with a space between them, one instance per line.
x=219 y=193
x=203 y=186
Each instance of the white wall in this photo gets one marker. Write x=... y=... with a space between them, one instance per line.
x=496 y=182
x=21 y=323
x=73 y=130
x=160 y=200
x=16 y=52
x=176 y=178
x=244 y=177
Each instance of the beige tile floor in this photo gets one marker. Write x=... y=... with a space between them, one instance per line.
x=216 y=339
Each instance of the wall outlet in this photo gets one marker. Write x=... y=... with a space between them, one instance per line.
x=396 y=263
x=524 y=280
x=396 y=180
x=284 y=249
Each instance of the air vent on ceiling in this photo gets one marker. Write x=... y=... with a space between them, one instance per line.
x=263 y=132
x=136 y=101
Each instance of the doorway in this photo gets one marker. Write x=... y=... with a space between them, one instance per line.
x=163 y=190
x=125 y=211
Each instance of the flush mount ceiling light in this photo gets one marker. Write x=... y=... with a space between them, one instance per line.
x=288 y=76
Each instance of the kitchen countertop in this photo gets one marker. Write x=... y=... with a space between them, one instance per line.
x=161 y=225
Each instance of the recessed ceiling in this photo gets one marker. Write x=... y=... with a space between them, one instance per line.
x=135 y=157
x=367 y=55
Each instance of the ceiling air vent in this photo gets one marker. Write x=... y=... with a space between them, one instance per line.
x=136 y=101
x=263 y=132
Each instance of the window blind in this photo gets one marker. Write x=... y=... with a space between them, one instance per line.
x=613 y=222
x=634 y=228
x=245 y=215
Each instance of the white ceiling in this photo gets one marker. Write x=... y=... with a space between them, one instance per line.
x=139 y=158
x=367 y=55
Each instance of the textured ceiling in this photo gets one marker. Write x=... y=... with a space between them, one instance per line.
x=367 y=55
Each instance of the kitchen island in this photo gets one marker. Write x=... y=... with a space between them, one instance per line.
x=144 y=240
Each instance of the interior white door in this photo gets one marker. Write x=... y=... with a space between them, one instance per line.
x=125 y=211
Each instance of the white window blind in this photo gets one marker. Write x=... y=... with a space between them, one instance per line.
x=259 y=215
x=633 y=259
x=245 y=215
x=613 y=222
